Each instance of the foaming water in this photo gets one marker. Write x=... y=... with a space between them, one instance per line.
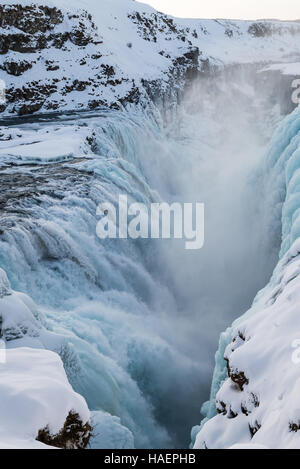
x=142 y=316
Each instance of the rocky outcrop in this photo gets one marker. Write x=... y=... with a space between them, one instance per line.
x=30 y=35
x=33 y=31
x=37 y=28
x=149 y=25
x=264 y=29
x=74 y=435
x=29 y=18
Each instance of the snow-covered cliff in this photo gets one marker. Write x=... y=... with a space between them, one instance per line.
x=60 y=57
x=256 y=383
x=32 y=378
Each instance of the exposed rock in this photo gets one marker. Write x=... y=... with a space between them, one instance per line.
x=254 y=428
x=238 y=377
x=294 y=427
x=74 y=435
x=260 y=29
x=30 y=18
x=149 y=25
x=16 y=68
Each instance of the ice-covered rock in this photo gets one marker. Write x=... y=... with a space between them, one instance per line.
x=109 y=433
x=18 y=313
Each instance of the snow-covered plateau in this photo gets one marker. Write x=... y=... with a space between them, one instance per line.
x=111 y=343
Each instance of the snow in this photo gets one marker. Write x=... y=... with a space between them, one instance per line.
x=249 y=446
x=31 y=381
x=44 y=145
x=285 y=68
x=211 y=40
x=155 y=44
x=263 y=344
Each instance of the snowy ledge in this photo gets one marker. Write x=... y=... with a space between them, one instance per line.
x=31 y=380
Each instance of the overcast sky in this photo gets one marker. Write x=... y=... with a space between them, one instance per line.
x=243 y=9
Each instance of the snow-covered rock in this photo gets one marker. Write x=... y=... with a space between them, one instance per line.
x=37 y=401
x=57 y=56
x=258 y=402
x=31 y=381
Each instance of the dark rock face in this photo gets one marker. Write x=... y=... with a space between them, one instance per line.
x=30 y=19
x=294 y=427
x=254 y=429
x=37 y=25
x=149 y=25
x=239 y=378
x=16 y=68
x=260 y=30
x=74 y=434
x=35 y=30
x=267 y=29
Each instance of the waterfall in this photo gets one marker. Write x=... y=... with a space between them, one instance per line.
x=140 y=318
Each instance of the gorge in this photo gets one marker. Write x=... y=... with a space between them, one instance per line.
x=130 y=101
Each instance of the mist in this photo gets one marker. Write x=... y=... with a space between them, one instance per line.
x=214 y=153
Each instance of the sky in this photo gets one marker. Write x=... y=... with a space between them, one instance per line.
x=241 y=9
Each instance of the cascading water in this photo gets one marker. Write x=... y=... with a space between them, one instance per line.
x=141 y=317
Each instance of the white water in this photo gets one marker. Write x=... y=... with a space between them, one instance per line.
x=144 y=316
